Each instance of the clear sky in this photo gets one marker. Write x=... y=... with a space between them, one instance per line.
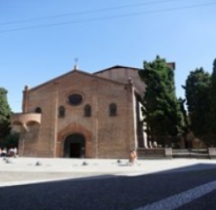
x=39 y=40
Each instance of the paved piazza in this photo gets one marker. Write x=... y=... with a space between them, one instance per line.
x=39 y=183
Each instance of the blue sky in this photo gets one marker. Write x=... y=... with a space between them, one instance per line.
x=39 y=40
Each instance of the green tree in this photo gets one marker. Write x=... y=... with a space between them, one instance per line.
x=186 y=121
x=5 y=113
x=161 y=107
x=197 y=87
x=213 y=102
x=10 y=141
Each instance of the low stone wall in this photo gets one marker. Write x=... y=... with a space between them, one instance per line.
x=154 y=153
x=190 y=153
x=212 y=152
x=160 y=153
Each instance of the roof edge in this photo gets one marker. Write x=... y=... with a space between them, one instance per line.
x=71 y=72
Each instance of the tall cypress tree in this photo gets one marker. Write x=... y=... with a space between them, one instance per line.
x=5 y=113
x=197 y=87
x=161 y=108
x=213 y=101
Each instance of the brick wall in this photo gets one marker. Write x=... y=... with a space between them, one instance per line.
x=106 y=136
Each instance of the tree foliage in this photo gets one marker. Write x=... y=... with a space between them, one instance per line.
x=213 y=100
x=197 y=87
x=10 y=141
x=5 y=113
x=161 y=108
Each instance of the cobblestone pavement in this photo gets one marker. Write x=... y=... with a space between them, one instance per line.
x=116 y=193
x=107 y=184
x=22 y=177
x=28 y=170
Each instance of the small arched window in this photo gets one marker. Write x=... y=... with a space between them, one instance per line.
x=61 y=112
x=38 y=110
x=87 y=110
x=112 y=109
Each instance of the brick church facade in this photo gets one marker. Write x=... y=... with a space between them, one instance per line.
x=80 y=114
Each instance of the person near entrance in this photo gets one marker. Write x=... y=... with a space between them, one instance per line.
x=133 y=157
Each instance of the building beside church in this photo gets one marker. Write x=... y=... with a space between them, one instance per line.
x=80 y=114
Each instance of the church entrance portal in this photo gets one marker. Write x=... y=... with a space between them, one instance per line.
x=74 y=146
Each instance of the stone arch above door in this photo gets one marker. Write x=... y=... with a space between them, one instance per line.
x=74 y=146
x=71 y=129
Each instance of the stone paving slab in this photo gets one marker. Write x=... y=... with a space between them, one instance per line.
x=20 y=170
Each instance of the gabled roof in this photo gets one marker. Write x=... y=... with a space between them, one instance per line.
x=72 y=72
x=117 y=67
x=170 y=64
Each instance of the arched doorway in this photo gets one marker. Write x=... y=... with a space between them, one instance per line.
x=74 y=146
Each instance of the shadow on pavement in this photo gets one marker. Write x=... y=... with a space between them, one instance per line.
x=187 y=169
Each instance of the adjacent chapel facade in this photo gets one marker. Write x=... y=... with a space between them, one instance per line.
x=80 y=114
